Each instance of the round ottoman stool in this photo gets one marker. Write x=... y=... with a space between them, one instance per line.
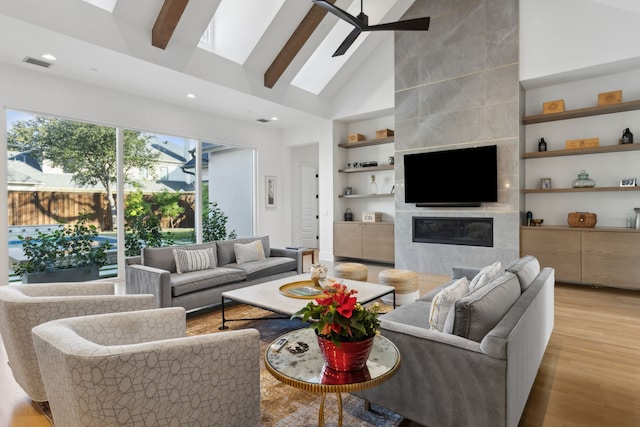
x=352 y=270
x=405 y=282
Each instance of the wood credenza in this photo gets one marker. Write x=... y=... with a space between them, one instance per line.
x=601 y=256
x=364 y=240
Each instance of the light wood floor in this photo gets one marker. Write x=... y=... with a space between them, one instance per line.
x=590 y=374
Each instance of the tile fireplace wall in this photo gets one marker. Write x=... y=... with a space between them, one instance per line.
x=457 y=86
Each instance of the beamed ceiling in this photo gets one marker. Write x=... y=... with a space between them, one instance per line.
x=265 y=57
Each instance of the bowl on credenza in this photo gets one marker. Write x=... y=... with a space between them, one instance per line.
x=535 y=222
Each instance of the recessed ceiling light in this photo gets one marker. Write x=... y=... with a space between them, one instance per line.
x=49 y=57
x=274 y=118
x=191 y=96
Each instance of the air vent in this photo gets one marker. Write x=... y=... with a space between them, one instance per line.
x=38 y=62
x=263 y=120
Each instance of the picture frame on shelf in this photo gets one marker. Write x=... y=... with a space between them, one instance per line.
x=270 y=191
x=628 y=182
x=545 y=183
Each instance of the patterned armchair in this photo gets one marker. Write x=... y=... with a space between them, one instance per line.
x=140 y=368
x=24 y=306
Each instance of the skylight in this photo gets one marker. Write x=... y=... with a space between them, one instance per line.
x=107 y=5
x=321 y=67
x=237 y=26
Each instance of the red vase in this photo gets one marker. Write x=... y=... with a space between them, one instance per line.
x=347 y=356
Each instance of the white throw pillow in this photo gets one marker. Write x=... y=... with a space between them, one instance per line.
x=485 y=276
x=444 y=300
x=194 y=260
x=248 y=252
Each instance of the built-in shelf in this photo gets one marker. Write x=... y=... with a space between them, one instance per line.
x=582 y=112
x=367 y=142
x=367 y=169
x=579 y=190
x=364 y=196
x=578 y=151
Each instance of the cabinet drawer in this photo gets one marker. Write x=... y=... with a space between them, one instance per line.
x=554 y=248
x=347 y=239
x=611 y=259
x=377 y=242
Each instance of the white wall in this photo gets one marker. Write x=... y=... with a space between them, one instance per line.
x=231 y=185
x=322 y=134
x=24 y=89
x=371 y=87
x=560 y=36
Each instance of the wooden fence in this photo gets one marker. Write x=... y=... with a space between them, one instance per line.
x=46 y=207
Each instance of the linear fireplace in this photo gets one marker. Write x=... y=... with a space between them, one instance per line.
x=453 y=231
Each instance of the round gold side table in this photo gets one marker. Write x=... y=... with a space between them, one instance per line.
x=299 y=364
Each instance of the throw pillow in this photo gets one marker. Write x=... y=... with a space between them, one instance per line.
x=478 y=312
x=485 y=276
x=194 y=260
x=444 y=300
x=249 y=252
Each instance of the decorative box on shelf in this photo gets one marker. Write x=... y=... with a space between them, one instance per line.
x=608 y=98
x=371 y=216
x=553 y=106
x=355 y=137
x=384 y=133
x=581 y=143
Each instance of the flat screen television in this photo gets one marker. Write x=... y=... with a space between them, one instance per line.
x=461 y=177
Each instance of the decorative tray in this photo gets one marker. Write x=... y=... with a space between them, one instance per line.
x=302 y=289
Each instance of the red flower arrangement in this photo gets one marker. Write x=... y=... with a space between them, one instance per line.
x=337 y=315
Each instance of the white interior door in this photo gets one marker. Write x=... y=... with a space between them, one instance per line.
x=309 y=209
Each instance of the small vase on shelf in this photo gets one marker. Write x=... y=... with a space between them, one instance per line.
x=373 y=187
x=542 y=145
x=583 y=181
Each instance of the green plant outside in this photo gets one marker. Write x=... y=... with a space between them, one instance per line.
x=69 y=247
x=214 y=225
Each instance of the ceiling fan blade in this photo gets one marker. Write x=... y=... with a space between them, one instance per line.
x=348 y=41
x=417 y=24
x=340 y=13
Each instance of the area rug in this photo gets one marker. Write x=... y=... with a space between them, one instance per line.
x=283 y=405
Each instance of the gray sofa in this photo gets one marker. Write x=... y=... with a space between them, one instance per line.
x=154 y=272
x=446 y=379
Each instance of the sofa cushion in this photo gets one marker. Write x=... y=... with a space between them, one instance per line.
x=226 y=250
x=485 y=275
x=194 y=260
x=163 y=258
x=526 y=269
x=247 y=252
x=266 y=267
x=194 y=281
x=477 y=313
x=444 y=300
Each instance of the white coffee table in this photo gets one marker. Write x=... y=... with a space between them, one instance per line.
x=268 y=296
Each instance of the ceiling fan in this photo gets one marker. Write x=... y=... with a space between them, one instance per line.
x=361 y=23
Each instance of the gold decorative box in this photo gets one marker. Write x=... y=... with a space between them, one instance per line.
x=371 y=216
x=581 y=143
x=553 y=106
x=608 y=98
x=355 y=137
x=384 y=133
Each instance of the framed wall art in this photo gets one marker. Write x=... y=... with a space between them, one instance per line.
x=270 y=191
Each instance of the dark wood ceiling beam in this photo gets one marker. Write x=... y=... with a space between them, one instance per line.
x=299 y=37
x=167 y=21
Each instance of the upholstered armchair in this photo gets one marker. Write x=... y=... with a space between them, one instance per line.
x=140 y=368
x=24 y=306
